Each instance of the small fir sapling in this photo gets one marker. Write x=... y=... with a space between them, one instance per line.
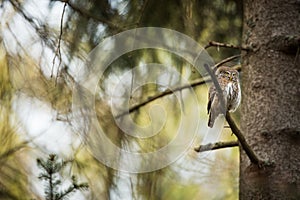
x=50 y=174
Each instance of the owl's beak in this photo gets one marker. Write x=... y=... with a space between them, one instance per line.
x=230 y=78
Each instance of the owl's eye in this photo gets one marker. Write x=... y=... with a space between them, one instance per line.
x=227 y=74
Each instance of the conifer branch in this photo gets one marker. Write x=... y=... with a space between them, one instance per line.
x=50 y=168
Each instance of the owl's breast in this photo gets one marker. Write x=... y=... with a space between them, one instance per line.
x=229 y=91
x=233 y=96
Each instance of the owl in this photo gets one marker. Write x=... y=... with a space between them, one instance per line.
x=229 y=82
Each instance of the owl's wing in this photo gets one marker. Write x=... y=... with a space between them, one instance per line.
x=211 y=96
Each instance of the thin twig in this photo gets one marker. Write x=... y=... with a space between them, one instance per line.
x=231 y=46
x=17 y=6
x=32 y=23
x=57 y=51
x=215 y=146
x=226 y=60
x=167 y=92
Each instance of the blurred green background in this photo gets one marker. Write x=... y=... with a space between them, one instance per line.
x=39 y=57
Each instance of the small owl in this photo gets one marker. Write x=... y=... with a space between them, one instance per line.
x=229 y=82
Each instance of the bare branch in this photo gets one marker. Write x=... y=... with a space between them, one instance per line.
x=58 y=52
x=215 y=146
x=167 y=92
x=250 y=153
x=231 y=46
x=226 y=60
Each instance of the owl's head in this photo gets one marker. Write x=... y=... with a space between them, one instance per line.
x=227 y=73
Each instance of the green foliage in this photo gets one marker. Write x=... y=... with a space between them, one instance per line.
x=50 y=170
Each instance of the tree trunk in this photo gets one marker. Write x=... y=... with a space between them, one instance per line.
x=271 y=99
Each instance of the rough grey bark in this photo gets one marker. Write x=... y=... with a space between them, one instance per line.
x=271 y=99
